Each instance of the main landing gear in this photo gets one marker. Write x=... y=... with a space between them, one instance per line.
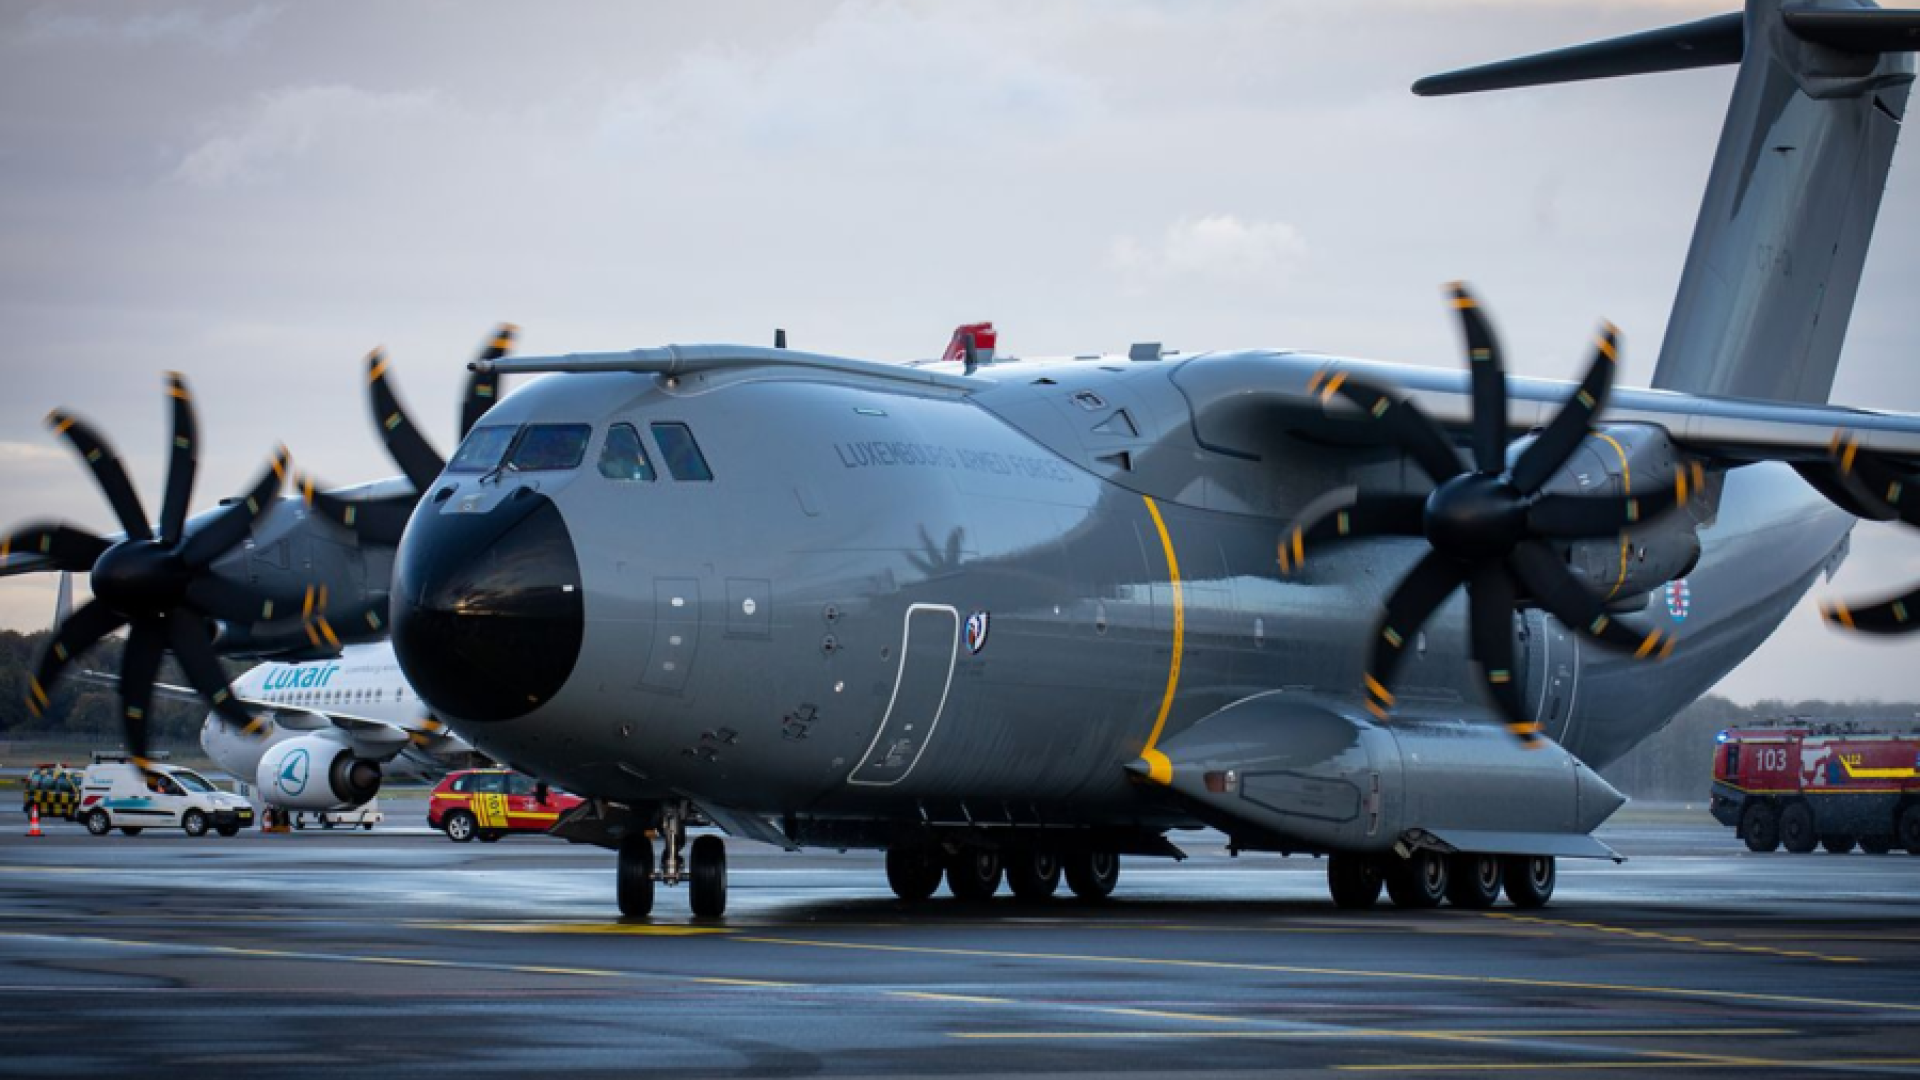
x=703 y=866
x=1426 y=879
x=974 y=874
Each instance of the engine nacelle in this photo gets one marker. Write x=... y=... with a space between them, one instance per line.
x=316 y=772
x=1631 y=459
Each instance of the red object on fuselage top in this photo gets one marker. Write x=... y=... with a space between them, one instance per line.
x=985 y=337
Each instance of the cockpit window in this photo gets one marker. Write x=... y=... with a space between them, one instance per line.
x=551 y=446
x=623 y=458
x=683 y=456
x=482 y=449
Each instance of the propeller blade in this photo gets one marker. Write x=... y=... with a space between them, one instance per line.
x=1568 y=516
x=1557 y=590
x=377 y=521
x=1417 y=435
x=410 y=450
x=227 y=600
x=230 y=526
x=1424 y=589
x=1899 y=490
x=80 y=632
x=188 y=637
x=1569 y=427
x=1895 y=616
x=1491 y=599
x=1489 y=384
x=65 y=547
x=139 y=666
x=184 y=464
x=107 y=472
x=483 y=388
x=1348 y=512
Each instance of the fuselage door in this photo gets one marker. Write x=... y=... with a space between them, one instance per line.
x=929 y=647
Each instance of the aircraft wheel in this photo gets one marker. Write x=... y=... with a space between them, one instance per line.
x=1760 y=827
x=633 y=877
x=1033 y=875
x=973 y=874
x=1837 y=845
x=1876 y=845
x=193 y=823
x=1529 y=879
x=460 y=826
x=1093 y=874
x=1796 y=829
x=1354 y=880
x=913 y=872
x=707 y=882
x=1909 y=831
x=98 y=823
x=1473 y=881
x=1419 y=881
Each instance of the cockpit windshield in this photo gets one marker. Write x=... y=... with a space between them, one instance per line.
x=482 y=449
x=551 y=446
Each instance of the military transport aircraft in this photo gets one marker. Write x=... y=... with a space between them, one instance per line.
x=1022 y=617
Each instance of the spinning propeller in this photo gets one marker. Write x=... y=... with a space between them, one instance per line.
x=1489 y=527
x=1900 y=491
x=163 y=584
x=381 y=521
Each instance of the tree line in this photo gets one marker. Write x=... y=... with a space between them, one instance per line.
x=84 y=708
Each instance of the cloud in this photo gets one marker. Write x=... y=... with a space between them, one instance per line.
x=1217 y=247
x=284 y=126
x=226 y=32
x=870 y=77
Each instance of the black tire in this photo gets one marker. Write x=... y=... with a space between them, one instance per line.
x=1034 y=876
x=707 y=878
x=1837 y=845
x=1092 y=875
x=1907 y=835
x=326 y=822
x=1419 y=881
x=193 y=823
x=1529 y=879
x=1354 y=881
x=300 y=823
x=1473 y=881
x=491 y=836
x=98 y=823
x=1876 y=845
x=1760 y=827
x=1796 y=829
x=132 y=830
x=227 y=830
x=460 y=826
x=973 y=874
x=913 y=872
x=367 y=825
x=633 y=876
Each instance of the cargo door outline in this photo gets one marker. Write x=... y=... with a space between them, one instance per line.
x=940 y=613
x=676 y=635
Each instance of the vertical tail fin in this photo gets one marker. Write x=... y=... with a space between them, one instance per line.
x=1790 y=205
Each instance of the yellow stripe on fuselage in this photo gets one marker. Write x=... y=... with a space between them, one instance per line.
x=1179 y=624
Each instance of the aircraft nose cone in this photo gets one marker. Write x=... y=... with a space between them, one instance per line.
x=1598 y=799
x=487 y=611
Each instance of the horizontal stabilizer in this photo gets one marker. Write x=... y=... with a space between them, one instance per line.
x=1706 y=43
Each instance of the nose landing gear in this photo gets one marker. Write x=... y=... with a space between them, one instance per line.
x=703 y=867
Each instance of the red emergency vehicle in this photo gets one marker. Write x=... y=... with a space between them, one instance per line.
x=490 y=803
x=1808 y=785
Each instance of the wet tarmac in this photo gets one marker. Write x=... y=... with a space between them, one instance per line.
x=399 y=952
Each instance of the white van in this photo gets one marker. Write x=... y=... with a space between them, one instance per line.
x=117 y=795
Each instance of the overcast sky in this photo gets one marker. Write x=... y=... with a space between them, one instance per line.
x=257 y=195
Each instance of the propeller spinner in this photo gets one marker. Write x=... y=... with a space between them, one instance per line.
x=1489 y=527
x=160 y=584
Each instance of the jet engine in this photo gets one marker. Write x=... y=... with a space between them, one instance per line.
x=1631 y=460
x=316 y=772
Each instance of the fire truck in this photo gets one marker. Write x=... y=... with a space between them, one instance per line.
x=1803 y=785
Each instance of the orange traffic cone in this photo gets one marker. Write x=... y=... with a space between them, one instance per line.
x=33 y=821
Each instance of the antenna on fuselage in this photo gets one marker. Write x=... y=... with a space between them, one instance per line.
x=779 y=339
x=973 y=354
